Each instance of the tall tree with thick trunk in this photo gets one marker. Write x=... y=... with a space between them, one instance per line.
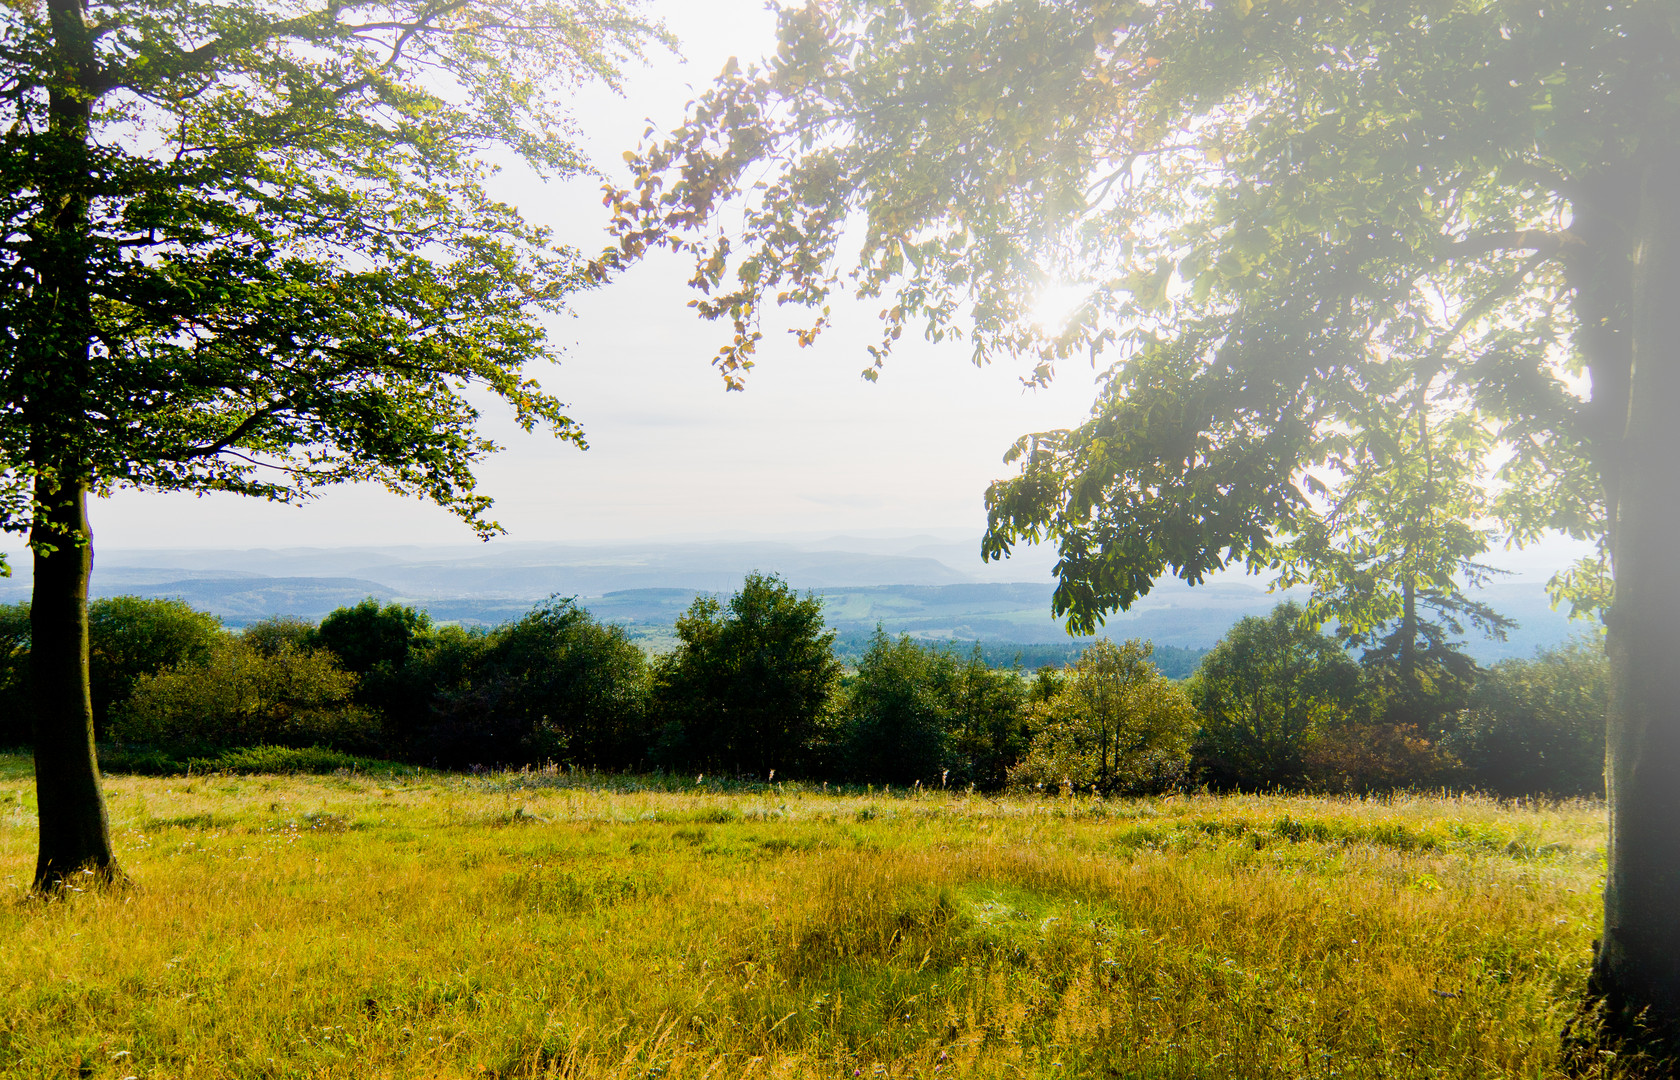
x=75 y=836
x=1291 y=222
x=1638 y=964
x=247 y=246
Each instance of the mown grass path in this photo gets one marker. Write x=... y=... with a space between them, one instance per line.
x=537 y=925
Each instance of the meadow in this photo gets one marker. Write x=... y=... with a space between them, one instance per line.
x=546 y=923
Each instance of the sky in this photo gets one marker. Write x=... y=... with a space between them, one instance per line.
x=809 y=448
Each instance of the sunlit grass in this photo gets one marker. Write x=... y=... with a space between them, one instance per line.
x=537 y=925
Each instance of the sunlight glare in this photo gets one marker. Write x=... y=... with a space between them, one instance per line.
x=1056 y=303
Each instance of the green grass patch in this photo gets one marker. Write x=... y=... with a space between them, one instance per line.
x=390 y=924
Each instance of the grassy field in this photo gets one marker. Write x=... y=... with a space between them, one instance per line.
x=550 y=925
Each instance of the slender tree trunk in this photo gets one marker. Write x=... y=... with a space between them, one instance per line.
x=1637 y=970
x=1408 y=639
x=75 y=836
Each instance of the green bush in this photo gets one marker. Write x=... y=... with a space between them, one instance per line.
x=128 y=637
x=310 y=760
x=306 y=760
x=556 y=685
x=241 y=697
x=1117 y=725
x=1538 y=726
x=119 y=759
x=1267 y=694
x=15 y=707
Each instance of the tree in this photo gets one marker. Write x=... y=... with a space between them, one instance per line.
x=371 y=636
x=571 y=688
x=1118 y=725
x=1266 y=693
x=1535 y=727
x=991 y=725
x=1391 y=557
x=746 y=684
x=268 y=636
x=897 y=712
x=376 y=642
x=247 y=246
x=1284 y=218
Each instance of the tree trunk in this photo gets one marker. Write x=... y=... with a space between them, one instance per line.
x=1637 y=970
x=75 y=836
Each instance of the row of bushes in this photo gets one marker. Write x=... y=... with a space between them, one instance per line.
x=753 y=687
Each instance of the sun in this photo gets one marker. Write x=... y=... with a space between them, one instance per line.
x=1056 y=303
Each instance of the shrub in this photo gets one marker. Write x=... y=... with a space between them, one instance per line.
x=130 y=637
x=117 y=759
x=1538 y=726
x=15 y=707
x=1372 y=752
x=241 y=697
x=1117 y=725
x=309 y=760
x=286 y=760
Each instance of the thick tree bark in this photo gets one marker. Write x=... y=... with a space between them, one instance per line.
x=1637 y=971
x=75 y=835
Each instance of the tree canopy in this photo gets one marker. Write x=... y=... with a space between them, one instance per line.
x=250 y=247
x=1294 y=225
x=1117 y=725
x=1285 y=220
x=1268 y=692
x=748 y=681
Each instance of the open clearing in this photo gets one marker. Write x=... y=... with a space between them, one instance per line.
x=534 y=924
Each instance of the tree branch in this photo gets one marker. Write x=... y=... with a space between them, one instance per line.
x=244 y=428
x=1546 y=243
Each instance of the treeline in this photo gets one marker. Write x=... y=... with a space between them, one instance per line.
x=1173 y=661
x=754 y=688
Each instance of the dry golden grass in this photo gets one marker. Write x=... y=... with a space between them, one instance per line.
x=545 y=925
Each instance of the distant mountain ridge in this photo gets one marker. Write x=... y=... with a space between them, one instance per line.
x=900 y=584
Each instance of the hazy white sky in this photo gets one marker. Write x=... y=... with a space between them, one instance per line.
x=809 y=447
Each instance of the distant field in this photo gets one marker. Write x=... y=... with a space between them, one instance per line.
x=549 y=925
